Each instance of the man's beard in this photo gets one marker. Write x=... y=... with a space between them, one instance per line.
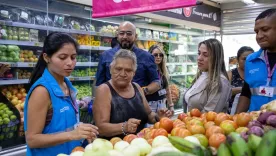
x=126 y=45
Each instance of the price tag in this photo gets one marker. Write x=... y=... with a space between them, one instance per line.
x=37 y=44
x=13 y=65
x=71 y=79
x=98 y=34
x=30 y=65
x=92 y=78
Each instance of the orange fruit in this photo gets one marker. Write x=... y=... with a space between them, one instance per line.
x=216 y=139
x=243 y=119
x=196 y=129
x=211 y=116
x=209 y=124
x=195 y=112
x=221 y=117
x=212 y=130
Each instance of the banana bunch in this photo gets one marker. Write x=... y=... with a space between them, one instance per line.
x=189 y=147
x=236 y=146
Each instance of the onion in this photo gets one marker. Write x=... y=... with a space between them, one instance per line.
x=244 y=135
x=131 y=150
x=77 y=153
x=159 y=141
x=272 y=106
x=121 y=145
x=88 y=147
x=263 y=116
x=256 y=130
x=271 y=120
x=115 y=153
x=254 y=123
x=99 y=144
x=138 y=141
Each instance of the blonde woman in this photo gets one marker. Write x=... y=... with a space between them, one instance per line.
x=159 y=99
x=211 y=90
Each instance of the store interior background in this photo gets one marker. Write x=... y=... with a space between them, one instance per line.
x=234 y=30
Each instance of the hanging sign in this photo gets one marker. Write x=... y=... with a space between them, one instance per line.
x=107 y=8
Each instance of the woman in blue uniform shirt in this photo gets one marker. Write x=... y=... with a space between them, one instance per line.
x=50 y=111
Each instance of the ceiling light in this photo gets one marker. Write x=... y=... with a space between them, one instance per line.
x=248 y=1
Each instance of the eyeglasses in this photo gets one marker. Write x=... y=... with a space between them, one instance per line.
x=128 y=33
x=160 y=55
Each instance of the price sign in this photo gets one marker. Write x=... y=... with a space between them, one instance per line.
x=71 y=79
x=37 y=44
x=13 y=64
x=31 y=65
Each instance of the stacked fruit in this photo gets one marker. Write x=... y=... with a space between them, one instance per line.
x=174 y=92
x=16 y=94
x=88 y=40
x=23 y=74
x=81 y=58
x=109 y=29
x=84 y=72
x=28 y=56
x=8 y=122
x=9 y=53
x=84 y=90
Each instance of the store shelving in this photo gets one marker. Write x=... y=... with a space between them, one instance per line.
x=85 y=47
x=25 y=81
x=22 y=43
x=32 y=64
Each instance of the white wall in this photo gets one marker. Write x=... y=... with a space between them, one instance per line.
x=232 y=43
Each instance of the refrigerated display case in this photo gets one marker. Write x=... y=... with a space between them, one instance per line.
x=25 y=24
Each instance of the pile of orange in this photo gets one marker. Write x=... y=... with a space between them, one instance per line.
x=210 y=128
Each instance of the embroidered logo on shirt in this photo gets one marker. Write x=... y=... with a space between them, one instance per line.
x=252 y=71
x=64 y=109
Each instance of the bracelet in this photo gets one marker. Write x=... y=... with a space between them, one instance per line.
x=123 y=128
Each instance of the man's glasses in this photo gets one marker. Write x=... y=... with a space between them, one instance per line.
x=160 y=55
x=128 y=33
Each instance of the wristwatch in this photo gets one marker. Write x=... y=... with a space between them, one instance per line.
x=146 y=90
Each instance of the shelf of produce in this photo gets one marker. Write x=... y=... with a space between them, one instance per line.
x=85 y=78
x=43 y=27
x=160 y=40
x=22 y=43
x=85 y=47
x=24 y=81
x=32 y=64
x=16 y=81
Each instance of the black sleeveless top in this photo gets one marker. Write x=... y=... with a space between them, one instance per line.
x=123 y=109
x=237 y=81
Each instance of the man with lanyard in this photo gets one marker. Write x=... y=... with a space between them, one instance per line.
x=146 y=74
x=260 y=79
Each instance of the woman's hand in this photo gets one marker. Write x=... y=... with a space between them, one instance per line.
x=131 y=125
x=164 y=113
x=84 y=131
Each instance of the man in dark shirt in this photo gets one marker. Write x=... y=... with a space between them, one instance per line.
x=146 y=74
x=265 y=29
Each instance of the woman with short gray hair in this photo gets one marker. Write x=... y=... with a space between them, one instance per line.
x=120 y=107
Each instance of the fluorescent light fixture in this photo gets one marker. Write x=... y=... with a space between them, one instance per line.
x=248 y=1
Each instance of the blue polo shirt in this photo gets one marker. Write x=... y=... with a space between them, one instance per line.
x=146 y=68
x=256 y=75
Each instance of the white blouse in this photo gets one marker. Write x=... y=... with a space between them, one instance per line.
x=202 y=79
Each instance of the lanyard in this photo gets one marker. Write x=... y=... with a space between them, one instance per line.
x=270 y=72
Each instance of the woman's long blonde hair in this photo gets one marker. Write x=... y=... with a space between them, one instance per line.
x=216 y=66
x=163 y=65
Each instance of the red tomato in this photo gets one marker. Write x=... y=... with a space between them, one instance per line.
x=129 y=138
x=166 y=124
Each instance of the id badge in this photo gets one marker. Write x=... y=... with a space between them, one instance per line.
x=266 y=91
x=162 y=92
